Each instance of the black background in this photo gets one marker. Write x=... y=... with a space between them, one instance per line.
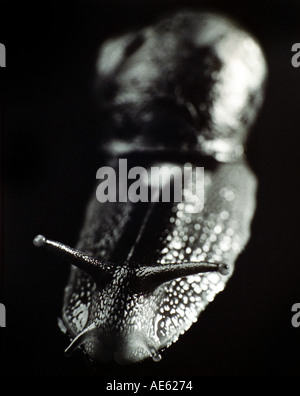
x=49 y=159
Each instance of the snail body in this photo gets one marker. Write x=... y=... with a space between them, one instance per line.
x=183 y=91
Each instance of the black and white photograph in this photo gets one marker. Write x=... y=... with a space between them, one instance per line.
x=149 y=190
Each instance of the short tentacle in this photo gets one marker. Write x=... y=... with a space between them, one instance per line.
x=80 y=339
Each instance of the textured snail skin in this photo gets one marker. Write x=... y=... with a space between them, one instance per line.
x=186 y=89
x=130 y=324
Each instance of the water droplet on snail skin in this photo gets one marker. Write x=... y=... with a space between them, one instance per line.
x=156 y=357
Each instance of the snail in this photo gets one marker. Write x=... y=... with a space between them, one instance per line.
x=184 y=90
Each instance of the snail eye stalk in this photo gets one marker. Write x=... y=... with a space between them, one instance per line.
x=96 y=268
x=152 y=277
